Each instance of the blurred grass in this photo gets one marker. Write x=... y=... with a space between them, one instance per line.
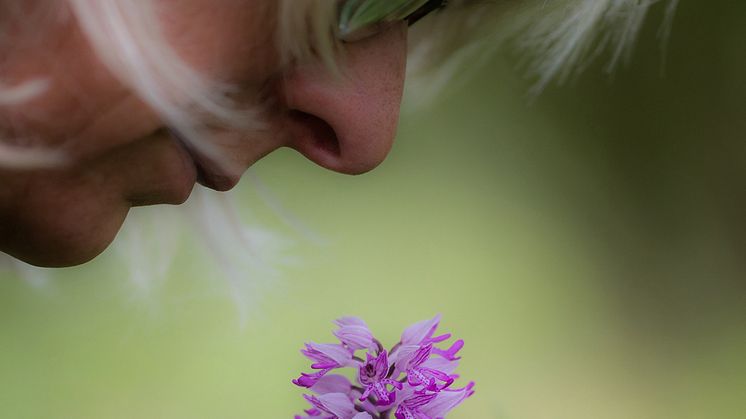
x=588 y=246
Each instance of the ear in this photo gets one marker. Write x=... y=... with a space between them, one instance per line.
x=347 y=121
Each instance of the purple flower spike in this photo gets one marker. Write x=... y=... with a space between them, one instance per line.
x=373 y=375
x=411 y=381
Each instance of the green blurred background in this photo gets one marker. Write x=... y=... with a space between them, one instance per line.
x=589 y=246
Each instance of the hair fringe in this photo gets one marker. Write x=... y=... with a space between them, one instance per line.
x=558 y=37
x=306 y=31
x=569 y=35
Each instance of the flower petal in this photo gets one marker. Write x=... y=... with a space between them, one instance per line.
x=447 y=400
x=416 y=333
x=332 y=383
x=355 y=337
x=338 y=404
x=451 y=352
x=321 y=352
x=350 y=321
x=441 y=364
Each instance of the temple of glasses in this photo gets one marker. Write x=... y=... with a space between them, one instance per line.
x=359 y=19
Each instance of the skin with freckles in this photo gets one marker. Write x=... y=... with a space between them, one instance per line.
x=122 y=154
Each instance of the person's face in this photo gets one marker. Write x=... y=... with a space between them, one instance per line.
x=122 y=154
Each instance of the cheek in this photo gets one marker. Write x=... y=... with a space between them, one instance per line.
x=85 y=109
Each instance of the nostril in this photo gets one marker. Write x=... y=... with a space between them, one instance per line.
x=337 y=145
x=313 y=135
x=346 y=124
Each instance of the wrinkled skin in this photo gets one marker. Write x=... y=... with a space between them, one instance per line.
x=123 y=155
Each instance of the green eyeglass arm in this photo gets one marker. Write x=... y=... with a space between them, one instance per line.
x=355 y=15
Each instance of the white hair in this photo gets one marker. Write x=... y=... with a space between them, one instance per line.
x=558 y=36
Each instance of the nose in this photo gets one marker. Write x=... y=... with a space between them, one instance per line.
x=346 y=120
